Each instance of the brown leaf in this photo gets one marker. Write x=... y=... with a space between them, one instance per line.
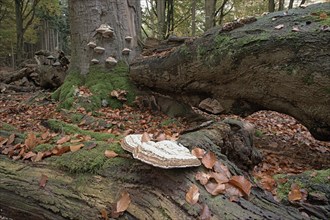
x=38 y=157
x=123 y=202
x=215 y=188
x=198 y=152
x=295 y=194
x=64 y=139
x=192 y=195
x=323 y=15
x=219 y=167
x=45 y=135
x=209 y=160
x=90 y=145
x=145 y=137
x=31 y=140
x=110 y=154
x=43 y=180
x=219 y=177
x=75 y=148
x=205 y=213
x=28 y=155
x=11 y=139
x=160 y=137
x=203 y=178
x=233 y=191
x=241 y=183
x=278 y=27
x=104 y=214
x=58 y=150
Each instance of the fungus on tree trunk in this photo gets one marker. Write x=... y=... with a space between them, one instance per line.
x=164 y=154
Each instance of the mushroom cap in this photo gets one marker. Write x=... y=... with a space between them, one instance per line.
x=108 y=33
x=50 y=57
x=95 y=61
x=103 y=28
x=126 y=51
x=91 y=44
x=111 y=60
x=99 y=49
x=165 y=154
x=128 y=38
x=56 y=64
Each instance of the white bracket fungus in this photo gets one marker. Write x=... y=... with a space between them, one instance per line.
x=128 y=38
x=91 y=44
x=99 y=50
x=165 y=154
x=95 y=61
x=112 y=61
x=126 y=51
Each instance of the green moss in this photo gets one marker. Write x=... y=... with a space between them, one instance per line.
x=89 y=161
x=7 y=127
x=101 y=82
x=76 y=118
x=168 y=122
x=184 y=50
x=73 y=129
x=258 y=133
x=43 y=147
x=321 y=177
x=308 y=79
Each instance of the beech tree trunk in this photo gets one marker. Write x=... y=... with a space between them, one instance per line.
x=209 y=13
x=87 y=16
x=251 y=68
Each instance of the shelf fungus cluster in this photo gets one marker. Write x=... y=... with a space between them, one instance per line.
x=105 y=30
x=165 y=154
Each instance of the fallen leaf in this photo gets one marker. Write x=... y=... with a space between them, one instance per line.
x=28 y=155
x=198 y=152
x=219 y=177
x=215 y=188
x=58 y=150
x=295 y=29
x=123 y=202
x=104 y=214
x=31 y=140
x=38 y=157
x=90 y=145
x=45 y=135
x=145 y=137
x=203 y=178
x=295 y=194
x=64 y=139
x=110 y=154
x=192 y=195
x=160 y=137
x=233 y=191
x=205 y=213
x=278 y=27
x=11 y=139
x=43 y=180
x=75 y=148
x=209 y=160
x=219 y=167
x=241 y=183
x=323 y=15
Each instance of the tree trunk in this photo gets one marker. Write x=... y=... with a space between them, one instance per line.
x=193 y=18
x=281 y=5
x=251 y=68
x=291 y=4
x=271 y=5
x=19 y=31
x=161 y=9
x=209 y=13
x=87 y=16
x=155 y=193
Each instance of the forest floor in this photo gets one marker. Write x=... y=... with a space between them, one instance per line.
x=286 y=145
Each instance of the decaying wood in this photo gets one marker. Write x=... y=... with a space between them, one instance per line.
x=8 y=77
x=4 y=87
x=251 y=68
x=155 y=193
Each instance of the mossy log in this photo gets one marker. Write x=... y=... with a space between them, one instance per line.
x=257 y=66
x=155 y=193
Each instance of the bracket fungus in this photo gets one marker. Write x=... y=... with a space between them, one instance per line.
x=126 y=51
x=108 y=33
x=111 y=61
x=99 y=50
x=103 y=28
x=95 y=61
x=164 y=154
x=91 y=44
x=128 y=38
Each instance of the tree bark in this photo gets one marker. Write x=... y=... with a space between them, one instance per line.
x=251 y=68
x=271 y=5
x=155 y=193
x=291 y=4
x=193 y=18
x=281 y=5
x=87 y=16
x=209 y=13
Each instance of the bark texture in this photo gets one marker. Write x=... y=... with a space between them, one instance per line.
x=156 y=193
x=86 y=16
x=251 y=68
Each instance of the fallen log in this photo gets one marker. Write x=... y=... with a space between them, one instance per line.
x=279 y=62
x=8 y=77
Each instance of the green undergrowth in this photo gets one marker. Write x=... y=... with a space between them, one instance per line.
x=312 y=181
x=60 y=126
x=101 y=82
x=7 y=127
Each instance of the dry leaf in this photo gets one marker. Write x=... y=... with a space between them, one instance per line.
x=90 y=145
x=31 y=140
x=64 y=139
x=192 y=195
x=241 y=183
x=45 y=135
x=145 y=137
x=233 y=191
x=104 y=214
x=323 y=15
x=43 y=181
x=221 y=168
x=110 y=154
x=75 y=148
x=209 y=160
x=38 y=157
x=295 y=194
x=123 y=202
x=198 y=152
x=219 y=177
x=203 y=178
x=11 y=139
x=278 y=27
x=205 y=213
x=58 y=150
x=28 y=155
x=161 y=137
x=215 y=188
